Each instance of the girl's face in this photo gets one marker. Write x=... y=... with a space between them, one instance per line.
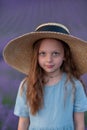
x=51 y=55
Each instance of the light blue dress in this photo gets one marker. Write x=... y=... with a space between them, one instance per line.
x=57 y=113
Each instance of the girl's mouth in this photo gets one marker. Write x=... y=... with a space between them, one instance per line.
x=49 y=66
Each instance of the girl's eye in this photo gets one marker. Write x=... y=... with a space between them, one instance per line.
x=55 y=54
x=42 y=53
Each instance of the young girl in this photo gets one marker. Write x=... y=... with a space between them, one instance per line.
x=52 y=96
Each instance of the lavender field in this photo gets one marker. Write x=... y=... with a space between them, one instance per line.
x=8 y=90
x=21 y=16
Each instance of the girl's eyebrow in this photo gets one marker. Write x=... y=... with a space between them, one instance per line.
x=51 y=51
x=41 y=50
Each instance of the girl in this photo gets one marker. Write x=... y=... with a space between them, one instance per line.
x=52 y=96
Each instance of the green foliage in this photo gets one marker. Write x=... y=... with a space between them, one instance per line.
x=7 y=101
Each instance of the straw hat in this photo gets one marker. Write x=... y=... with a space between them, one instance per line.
x=18 y=51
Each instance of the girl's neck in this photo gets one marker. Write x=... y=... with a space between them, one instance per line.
x=53 y=79
x=54 y=74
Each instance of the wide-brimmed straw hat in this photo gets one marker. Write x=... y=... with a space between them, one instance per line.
x=18 y=51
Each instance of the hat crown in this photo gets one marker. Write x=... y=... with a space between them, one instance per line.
x=53 y=27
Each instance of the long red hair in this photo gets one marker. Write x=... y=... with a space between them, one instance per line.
x=36 y=81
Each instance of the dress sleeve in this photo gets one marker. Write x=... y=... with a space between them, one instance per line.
x=21 y=108
x=80 y=104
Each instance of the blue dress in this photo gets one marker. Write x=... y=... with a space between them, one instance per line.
x=57 y=113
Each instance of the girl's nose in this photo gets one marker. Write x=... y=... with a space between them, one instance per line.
x=49 y=58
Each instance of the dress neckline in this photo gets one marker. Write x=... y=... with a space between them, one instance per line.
x=56 y=84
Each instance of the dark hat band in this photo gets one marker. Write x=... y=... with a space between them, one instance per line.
x=52 y=28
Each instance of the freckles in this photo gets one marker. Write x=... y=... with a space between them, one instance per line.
x=40 y=60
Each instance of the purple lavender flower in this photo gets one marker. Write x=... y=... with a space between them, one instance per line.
x=3 y=114
x=11 y=122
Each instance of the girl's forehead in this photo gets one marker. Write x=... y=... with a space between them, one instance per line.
x=51 y=43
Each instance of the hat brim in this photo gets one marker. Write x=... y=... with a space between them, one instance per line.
x=18 y=51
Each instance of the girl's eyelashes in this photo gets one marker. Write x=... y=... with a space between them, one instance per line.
x=42 y=53
x=54 y=54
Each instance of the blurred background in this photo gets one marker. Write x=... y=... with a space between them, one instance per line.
x=21 y=16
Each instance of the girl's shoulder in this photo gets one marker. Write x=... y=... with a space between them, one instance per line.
x=23 y=85
x=76 y=82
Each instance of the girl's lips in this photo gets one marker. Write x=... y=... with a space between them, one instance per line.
x=49 y=66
